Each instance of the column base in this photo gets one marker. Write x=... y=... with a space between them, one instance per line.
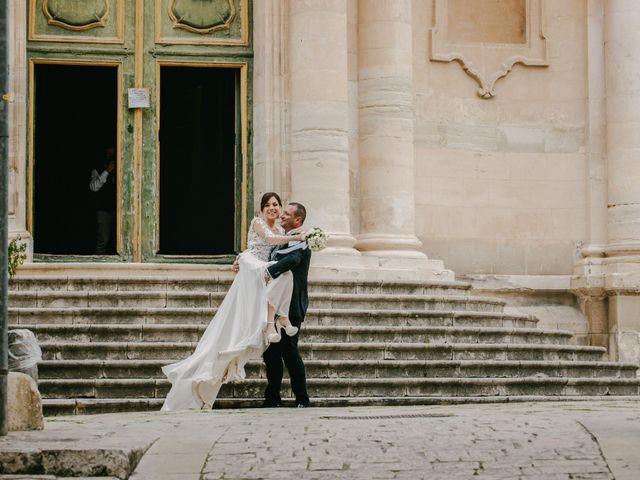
x=393 y=245
x=380 y=257
x=622 y=249
x=368 y=267
x=609 y=292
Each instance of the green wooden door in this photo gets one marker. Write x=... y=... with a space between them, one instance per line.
x=175 y=183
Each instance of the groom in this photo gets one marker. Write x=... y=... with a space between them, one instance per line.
x=294 y=259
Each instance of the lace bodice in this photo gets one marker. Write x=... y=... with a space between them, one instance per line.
x=261 y=239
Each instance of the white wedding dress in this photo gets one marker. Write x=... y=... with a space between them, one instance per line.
x=236 y=333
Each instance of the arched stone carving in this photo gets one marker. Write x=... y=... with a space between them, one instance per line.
x=74 y=15
x=487 y=58
x=202 y=16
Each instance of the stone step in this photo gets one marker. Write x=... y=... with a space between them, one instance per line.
x=312 y=333
x=152 y=299
x=332 y=351
x=453 y=351
x=105 y=339
x=85 y=406
x=141 y=369
x=123 y=315
x=417 y=318
x=221 y=283
x=354 y=387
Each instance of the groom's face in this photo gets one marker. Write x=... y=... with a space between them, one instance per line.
x=289 y=220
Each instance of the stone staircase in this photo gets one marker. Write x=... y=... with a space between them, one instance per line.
x=104 y=341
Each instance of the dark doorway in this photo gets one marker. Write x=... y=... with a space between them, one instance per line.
x=197 y=160
x=75 y=123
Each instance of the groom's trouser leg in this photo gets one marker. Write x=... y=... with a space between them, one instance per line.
x=272 y=357
x=295 y=366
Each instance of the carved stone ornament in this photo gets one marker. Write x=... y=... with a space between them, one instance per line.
x=75 y=15
x=202 y=16
x=484 y=58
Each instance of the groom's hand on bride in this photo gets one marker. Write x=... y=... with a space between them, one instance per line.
x=236 y=265
x=267 y=277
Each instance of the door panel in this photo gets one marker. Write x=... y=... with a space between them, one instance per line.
x=87 y=21
x=71 y=140
x=197 y=160
x=217 y=22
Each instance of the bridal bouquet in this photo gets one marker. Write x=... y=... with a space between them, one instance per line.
x=316 y=239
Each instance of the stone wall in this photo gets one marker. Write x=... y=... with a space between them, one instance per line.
x=501 y=182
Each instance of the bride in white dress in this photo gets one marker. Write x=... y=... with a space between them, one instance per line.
x=244 y=323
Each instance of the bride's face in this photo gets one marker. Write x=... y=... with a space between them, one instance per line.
x=271 y=210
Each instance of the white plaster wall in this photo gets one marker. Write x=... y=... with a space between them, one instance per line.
x=501 y=184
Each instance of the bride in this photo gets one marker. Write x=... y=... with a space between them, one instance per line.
x=244 y=324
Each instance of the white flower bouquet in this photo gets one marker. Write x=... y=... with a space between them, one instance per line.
x=316 y=239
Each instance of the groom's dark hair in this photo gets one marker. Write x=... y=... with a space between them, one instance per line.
x=301 y=212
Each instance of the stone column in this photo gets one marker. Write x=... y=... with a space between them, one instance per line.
x=622 y=44
x=319 y=106
x=270 y=161
x=385 y=66
x=622 y=265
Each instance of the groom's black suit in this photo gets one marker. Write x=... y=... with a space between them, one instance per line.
x=296 y=261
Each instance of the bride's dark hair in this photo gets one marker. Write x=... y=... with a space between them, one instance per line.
x=268 y=196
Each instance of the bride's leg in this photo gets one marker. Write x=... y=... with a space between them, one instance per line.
x=272 y=334
x=271 y=314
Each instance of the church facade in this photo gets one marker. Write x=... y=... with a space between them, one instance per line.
x=495 y=141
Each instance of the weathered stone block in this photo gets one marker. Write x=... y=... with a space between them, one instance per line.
x=24 y=405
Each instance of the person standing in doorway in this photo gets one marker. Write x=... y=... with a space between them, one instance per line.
x=103 y=186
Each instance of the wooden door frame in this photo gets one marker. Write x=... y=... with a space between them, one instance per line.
x=242 y=167
x=95 y=62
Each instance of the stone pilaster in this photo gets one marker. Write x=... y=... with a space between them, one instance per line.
x=588 y=282
x=622 y=44
x=17 y=36
x=319 y=116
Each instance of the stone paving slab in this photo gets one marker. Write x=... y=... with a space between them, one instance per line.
x=80 y=446
x=51 y=477
x=526 y=441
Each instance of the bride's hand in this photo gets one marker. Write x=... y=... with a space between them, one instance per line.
x=300 y=236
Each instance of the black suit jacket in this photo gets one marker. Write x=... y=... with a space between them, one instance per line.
x=297 y=262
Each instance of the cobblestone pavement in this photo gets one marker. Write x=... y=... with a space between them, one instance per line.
x=534 y=441
x=546 y=441
x=408 y=446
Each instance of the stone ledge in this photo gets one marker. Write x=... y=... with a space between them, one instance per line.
x=529 y=284
x=70 y=461
x=63 y=451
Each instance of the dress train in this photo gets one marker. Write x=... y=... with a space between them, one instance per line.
x=235 y=335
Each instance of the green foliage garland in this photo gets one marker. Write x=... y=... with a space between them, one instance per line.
x=17 y=254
